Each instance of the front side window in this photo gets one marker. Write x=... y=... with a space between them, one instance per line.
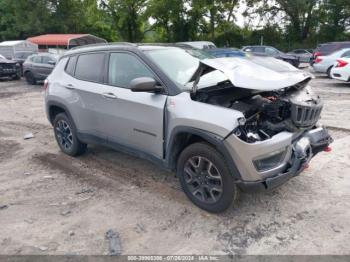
x=47 y=59
x=90 y=67
x=37 y=59
x=125 y=67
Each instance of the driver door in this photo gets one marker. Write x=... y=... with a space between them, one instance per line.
x=133 y=119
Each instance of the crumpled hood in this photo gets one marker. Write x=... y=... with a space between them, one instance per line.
x=257 y=73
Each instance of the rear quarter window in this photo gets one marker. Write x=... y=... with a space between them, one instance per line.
x=90 y=67
x=70 y=67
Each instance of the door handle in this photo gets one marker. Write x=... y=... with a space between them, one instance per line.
x=69 y=86
x=109 y=95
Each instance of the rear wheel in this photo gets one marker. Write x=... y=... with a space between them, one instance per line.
x=329 y=72
x=30 y=78
x=66 y=136
x=205 y=178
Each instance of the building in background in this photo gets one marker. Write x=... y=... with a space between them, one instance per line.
x=12 y=49
x=60 y=42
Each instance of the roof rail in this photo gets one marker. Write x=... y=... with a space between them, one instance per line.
x=103 y=44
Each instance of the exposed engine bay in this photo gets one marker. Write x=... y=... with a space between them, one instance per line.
x=292 y=109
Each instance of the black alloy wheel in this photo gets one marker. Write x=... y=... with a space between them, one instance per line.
x=64 y=134
x=206 y=178
x=203 y=179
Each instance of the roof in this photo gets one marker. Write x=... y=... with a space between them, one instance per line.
x=117 y=46
x=65 y=39
x=12 y=43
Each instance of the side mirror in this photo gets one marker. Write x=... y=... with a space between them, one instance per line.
x=51 y=62
x=145 y=84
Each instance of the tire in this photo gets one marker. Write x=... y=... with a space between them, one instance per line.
x=205 y=178
x=66 y=136
x=329 y=72
x=30 y=78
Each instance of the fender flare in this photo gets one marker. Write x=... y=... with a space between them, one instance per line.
x=213 y=139
x=50 y=104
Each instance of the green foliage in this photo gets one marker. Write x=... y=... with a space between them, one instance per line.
x=286 y=24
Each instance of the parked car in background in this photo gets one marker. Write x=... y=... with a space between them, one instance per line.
x=304 y=55
x=324 y=64
x=38 y=67
x=328 y=48
x=226 y=52
x=261 y=50
x=222 y=124
x=9 y=68
x=198 y=44
x=341 y=69
x=22 y=56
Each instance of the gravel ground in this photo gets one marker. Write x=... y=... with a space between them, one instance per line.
x=54 y=204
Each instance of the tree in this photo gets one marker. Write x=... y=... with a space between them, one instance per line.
x=299 y=16
x=22 y=18
x=127 y=17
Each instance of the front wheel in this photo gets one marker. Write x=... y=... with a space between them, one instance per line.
x=66 y=136
x=205 y=178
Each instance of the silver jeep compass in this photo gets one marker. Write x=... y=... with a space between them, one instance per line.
x=223 y=124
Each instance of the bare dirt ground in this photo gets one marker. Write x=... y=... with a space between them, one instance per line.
x=54 y=204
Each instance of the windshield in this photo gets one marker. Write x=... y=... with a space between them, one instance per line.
x=179 y=64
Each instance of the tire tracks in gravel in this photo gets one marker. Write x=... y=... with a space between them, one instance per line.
x=99 y=173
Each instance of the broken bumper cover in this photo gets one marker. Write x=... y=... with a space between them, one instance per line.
x=303 y=150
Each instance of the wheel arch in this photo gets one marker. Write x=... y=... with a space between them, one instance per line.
x=54 y=108
x=183 y=136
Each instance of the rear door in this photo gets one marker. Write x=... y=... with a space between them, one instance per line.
x=84 y=90
x=132 y=119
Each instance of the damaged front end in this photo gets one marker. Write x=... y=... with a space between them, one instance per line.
x=278 y=133
x=294 y=109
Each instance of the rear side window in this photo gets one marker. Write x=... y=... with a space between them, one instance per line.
x=70 y=67
x=124 y=67
x=90 y=67
x=346 y=54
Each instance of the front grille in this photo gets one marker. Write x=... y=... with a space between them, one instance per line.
x=8 y=68
x=305 y=116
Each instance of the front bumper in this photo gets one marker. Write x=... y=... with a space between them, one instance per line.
x=301 y=150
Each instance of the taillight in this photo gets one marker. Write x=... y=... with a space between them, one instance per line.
x=318 y=60
x=341 y=63
x=316 y=54
x=46 y=84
